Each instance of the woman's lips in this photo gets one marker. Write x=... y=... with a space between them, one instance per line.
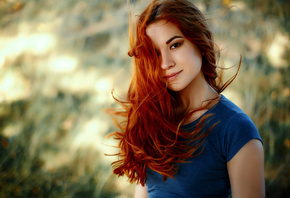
x=172 y=76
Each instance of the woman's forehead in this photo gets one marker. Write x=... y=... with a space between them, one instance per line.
x=159 y=32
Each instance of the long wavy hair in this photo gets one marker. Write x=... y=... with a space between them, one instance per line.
x=150 y=135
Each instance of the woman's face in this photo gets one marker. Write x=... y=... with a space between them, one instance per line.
x=180 y=59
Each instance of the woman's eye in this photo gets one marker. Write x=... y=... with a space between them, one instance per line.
x=175 y=45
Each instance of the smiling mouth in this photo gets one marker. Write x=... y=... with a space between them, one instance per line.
x=172 y=76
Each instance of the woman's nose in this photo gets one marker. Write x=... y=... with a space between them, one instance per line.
x=166 y=61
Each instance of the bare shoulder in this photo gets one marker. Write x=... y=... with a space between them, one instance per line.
x=246 y=171
x=140 y=191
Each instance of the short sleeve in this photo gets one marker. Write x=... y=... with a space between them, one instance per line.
x=240 y=131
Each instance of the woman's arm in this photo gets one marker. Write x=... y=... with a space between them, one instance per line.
x=140 y=191
x=246 y=171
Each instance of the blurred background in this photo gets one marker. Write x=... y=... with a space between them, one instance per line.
x=59 y=61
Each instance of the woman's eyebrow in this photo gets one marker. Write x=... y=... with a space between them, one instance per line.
x=174 y=37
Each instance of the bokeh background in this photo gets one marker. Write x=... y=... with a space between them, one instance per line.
x=59 y=61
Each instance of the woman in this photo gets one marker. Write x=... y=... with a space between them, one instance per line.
x=181 y=137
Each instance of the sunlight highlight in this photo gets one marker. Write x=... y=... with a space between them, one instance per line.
x=63 y=64
x=277 y=50
x=12 y=130
x=91 y=134
x=35 y=44
x=13 y=87
x=103 y=88
x=40 y=44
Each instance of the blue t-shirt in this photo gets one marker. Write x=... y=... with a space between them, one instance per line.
x=206 y=175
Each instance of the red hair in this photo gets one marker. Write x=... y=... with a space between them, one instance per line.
x=151 y=136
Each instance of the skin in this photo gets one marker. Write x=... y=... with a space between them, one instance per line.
x=181 y=57
x=140 y=191
x=246 y=172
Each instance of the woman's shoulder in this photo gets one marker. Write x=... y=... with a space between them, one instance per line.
x=235 y=127
x=227 y=105
x=224 y=112
x=229 y=112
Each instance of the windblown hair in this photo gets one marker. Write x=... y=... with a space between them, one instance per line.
x=151 y=136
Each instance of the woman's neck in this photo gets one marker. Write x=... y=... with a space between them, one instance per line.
x=198 y=94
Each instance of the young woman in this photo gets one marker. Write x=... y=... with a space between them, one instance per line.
x=181 y=137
